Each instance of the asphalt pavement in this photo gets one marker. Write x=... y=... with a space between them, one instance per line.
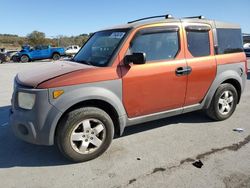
x=155 y=154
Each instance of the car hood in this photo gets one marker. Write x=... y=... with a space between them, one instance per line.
x=41 y=73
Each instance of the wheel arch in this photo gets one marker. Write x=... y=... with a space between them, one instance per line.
x=101 y=104
x=56 y=52
x=53 y=53
x=231 y=77
x=99 y=95
x=26 y=55
x=236 y=85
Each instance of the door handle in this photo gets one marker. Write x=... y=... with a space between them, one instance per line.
x=188 y=70
x=181 y=71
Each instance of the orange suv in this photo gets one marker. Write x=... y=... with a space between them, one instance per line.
x=142 y=71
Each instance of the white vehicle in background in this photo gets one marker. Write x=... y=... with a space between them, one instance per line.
x=12 y=54
x=72 y=50
x=247 y=45
x=247 y=49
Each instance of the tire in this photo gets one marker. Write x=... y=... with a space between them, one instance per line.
x=77 y=134
x=14 y=59
x=2 y=58
x=24 y=59
x=56 y=56
x=223 y=103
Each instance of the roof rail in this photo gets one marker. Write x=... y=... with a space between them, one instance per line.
x=193 y=17
x=168 y=16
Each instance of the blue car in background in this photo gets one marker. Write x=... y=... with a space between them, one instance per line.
x=38 y=53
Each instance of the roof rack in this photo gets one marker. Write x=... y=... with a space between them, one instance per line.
x=168 y=16
x=193 y=17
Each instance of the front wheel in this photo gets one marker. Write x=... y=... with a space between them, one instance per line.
x=223 y=103
x=24 y=59
x=85 y=134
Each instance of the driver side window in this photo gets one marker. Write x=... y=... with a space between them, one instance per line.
x=157 y=44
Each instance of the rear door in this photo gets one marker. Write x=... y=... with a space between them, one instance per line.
x=155 y=86
x=199 y=51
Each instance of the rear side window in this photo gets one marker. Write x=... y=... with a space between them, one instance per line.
x=158 y=45
x=198 y=42
x=229 y=41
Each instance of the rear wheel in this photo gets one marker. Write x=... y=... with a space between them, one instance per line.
x=85 y=134
x=223 y=103
x=24 y=59
x=56 y=56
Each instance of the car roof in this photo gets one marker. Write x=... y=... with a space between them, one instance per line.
x=213 y=23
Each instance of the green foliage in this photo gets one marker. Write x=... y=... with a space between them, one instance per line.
x=246 y=39
x=8 y=35
x=73 y=40
x=36 y=38
x=9 y=41
x=12 y=41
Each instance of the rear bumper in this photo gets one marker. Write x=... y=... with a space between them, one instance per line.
x=35 y=126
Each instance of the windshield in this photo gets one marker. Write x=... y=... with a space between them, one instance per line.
x=100 y=48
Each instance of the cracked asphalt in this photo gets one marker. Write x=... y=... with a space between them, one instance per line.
x=154 y=154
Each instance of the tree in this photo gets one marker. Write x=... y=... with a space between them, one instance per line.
x=36 y=38
x=65 y=41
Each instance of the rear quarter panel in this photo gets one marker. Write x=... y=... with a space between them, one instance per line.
x=229 y=66
x=231 y=58
x=61 y=51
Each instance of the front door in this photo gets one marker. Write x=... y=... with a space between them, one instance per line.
x=45 y=52
x=36 y=52
x=155 y=86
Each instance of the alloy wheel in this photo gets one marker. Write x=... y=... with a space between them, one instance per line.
x=88 y=136
x=225 y=102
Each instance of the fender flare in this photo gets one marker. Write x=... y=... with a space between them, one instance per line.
x=221 y=78
x=79 y=95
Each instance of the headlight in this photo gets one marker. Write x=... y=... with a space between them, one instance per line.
x=26 y=100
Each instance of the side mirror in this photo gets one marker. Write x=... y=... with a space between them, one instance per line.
x=135 y=58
